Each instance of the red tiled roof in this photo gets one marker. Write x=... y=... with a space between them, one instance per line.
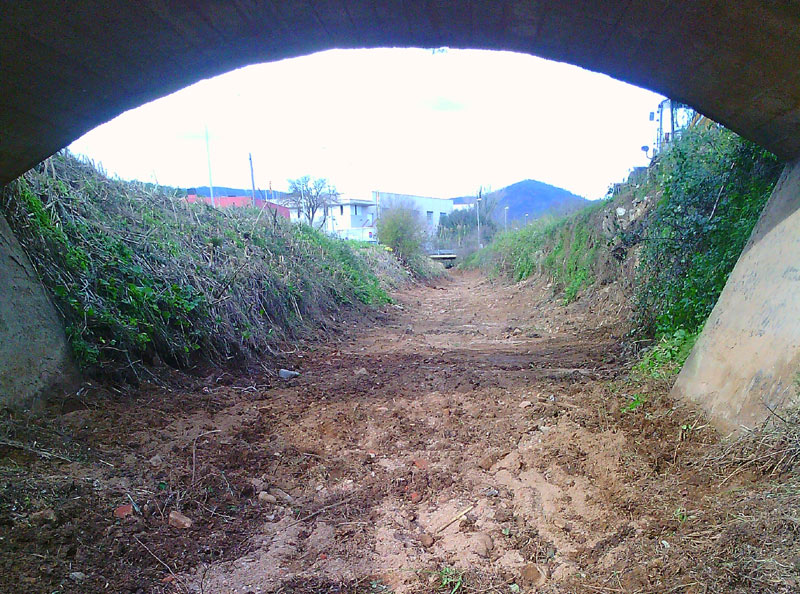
x=239 y=202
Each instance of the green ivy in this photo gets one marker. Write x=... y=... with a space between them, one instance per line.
x=714 y=185
x=667 y=356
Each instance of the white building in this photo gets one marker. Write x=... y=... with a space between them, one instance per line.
x=355 y=218
x=348 y=218
x=431 y=210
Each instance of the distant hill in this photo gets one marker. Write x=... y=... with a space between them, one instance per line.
x=532 y=197
x=225 y=191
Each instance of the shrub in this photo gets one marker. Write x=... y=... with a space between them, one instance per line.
x=667 y=356
x=401 y=228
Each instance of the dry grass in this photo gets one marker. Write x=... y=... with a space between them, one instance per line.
x=772 y=450
x=745 y=534
x=753 y=542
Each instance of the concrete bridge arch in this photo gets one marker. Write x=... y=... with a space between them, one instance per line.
x=67 y=67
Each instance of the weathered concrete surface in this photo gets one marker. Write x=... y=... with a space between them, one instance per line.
x=748 y=356
x=34 y=356
x=67 y=68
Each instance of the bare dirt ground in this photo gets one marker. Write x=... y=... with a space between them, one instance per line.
x=476 y=437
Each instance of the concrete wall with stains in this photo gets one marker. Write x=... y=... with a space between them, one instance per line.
x=748 y=357
x=35 y=359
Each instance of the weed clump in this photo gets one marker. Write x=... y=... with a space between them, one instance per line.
x=139 y=274
x=666 y=357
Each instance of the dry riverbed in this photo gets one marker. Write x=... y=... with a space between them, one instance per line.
x=477 y=437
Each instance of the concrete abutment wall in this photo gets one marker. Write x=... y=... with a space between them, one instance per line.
x=35 y=359
x=747 y=358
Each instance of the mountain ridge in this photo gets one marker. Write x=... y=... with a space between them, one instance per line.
x=531 y=197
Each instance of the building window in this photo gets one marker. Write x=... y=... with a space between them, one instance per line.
x=430 y=217
x=442 y=214
x=355 y=209
x=341 y=209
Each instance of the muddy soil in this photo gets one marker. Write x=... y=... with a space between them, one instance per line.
x=476 y=437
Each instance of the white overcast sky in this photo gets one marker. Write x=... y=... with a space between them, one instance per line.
x=409 y=121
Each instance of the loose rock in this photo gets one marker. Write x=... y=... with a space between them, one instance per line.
x=482 y=544
x=281 y=494
x=123 y=511
x=156 y=461
x=286 y=374
x=533 y=575
x=265 y=497
x=77 y=576
x=511 y=462
x=486 y=462
x=46 y=516
x=178 y=520
x=415 y=497
x=426 y=540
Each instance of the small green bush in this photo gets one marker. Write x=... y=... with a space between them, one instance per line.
x=666 y=358
x=401 y=228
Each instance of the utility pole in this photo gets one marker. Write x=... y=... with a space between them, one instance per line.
x=302 y=203
x=478 y=210
x=210 y=183
x=252 y=179
x=505 y=219
x=672 y=119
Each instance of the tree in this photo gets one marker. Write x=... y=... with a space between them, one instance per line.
x=312 y=197
x=460 y=226
x=400 y=226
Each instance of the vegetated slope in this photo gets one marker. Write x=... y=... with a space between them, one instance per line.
x=140 y=275
x=565 y=249
x=535 y=199
x=671 y=239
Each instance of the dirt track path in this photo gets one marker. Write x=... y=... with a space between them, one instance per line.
x=475 y=427
x=469 y=399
